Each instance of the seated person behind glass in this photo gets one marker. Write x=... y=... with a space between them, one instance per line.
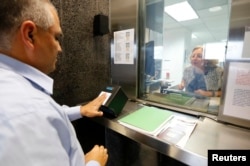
x=205 y=73
x=193 y=76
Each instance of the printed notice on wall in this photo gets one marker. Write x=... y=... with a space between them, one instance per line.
x=124 y=47
x=238 y=91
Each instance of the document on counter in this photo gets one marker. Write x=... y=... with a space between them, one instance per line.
x=148 y=120
x=178 y=131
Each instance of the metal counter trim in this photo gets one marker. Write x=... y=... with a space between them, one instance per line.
x=165 y=148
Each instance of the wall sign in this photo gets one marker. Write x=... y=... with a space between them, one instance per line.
x=236 y=99
x=124 y=47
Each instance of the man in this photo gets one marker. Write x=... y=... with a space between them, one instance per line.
x=34 y=129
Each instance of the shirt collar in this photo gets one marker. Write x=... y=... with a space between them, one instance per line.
x=32 y=74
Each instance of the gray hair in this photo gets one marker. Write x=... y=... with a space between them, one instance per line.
x=14 y=12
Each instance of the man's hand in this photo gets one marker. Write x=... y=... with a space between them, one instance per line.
x=92 y=108
x=99 y=154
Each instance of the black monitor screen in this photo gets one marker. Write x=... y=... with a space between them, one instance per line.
x=149 y=59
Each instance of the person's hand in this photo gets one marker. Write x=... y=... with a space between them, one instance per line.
x=92 y=108
x=181 y=85
x=99 y=154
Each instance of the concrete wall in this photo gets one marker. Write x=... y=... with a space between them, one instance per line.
x=83 y=69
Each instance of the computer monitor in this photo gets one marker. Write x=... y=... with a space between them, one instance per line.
x=149 y=59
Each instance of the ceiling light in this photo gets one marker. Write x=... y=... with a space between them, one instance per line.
x=215 y=9
x=181 y=11
x=194 y=36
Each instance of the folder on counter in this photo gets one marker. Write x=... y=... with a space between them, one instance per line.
x=149 y=120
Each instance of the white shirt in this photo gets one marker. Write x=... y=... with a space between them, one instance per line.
x=34 y=129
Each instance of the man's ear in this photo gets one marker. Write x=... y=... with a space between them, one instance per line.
x=27 y=29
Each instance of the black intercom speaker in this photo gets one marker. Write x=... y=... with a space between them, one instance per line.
x=101 y=25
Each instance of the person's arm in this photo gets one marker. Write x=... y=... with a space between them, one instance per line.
x=98 y=155
x=181 y=85
x=208 y=93
x=73 y=112
x=185 y=76
x=90 y=109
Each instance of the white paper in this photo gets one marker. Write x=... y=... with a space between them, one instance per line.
x=237 y=96
x=107 y=96
x=124 y=47
x=234 y=50
x=178 y=131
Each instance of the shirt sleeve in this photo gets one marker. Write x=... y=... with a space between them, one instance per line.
x=73 y=112
x=93 y=163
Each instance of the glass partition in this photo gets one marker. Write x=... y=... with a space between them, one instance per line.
x=182 y=56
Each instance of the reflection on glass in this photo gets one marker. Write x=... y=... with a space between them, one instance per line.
x=185 y=66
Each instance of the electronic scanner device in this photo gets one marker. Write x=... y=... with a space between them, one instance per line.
x=115 y=101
